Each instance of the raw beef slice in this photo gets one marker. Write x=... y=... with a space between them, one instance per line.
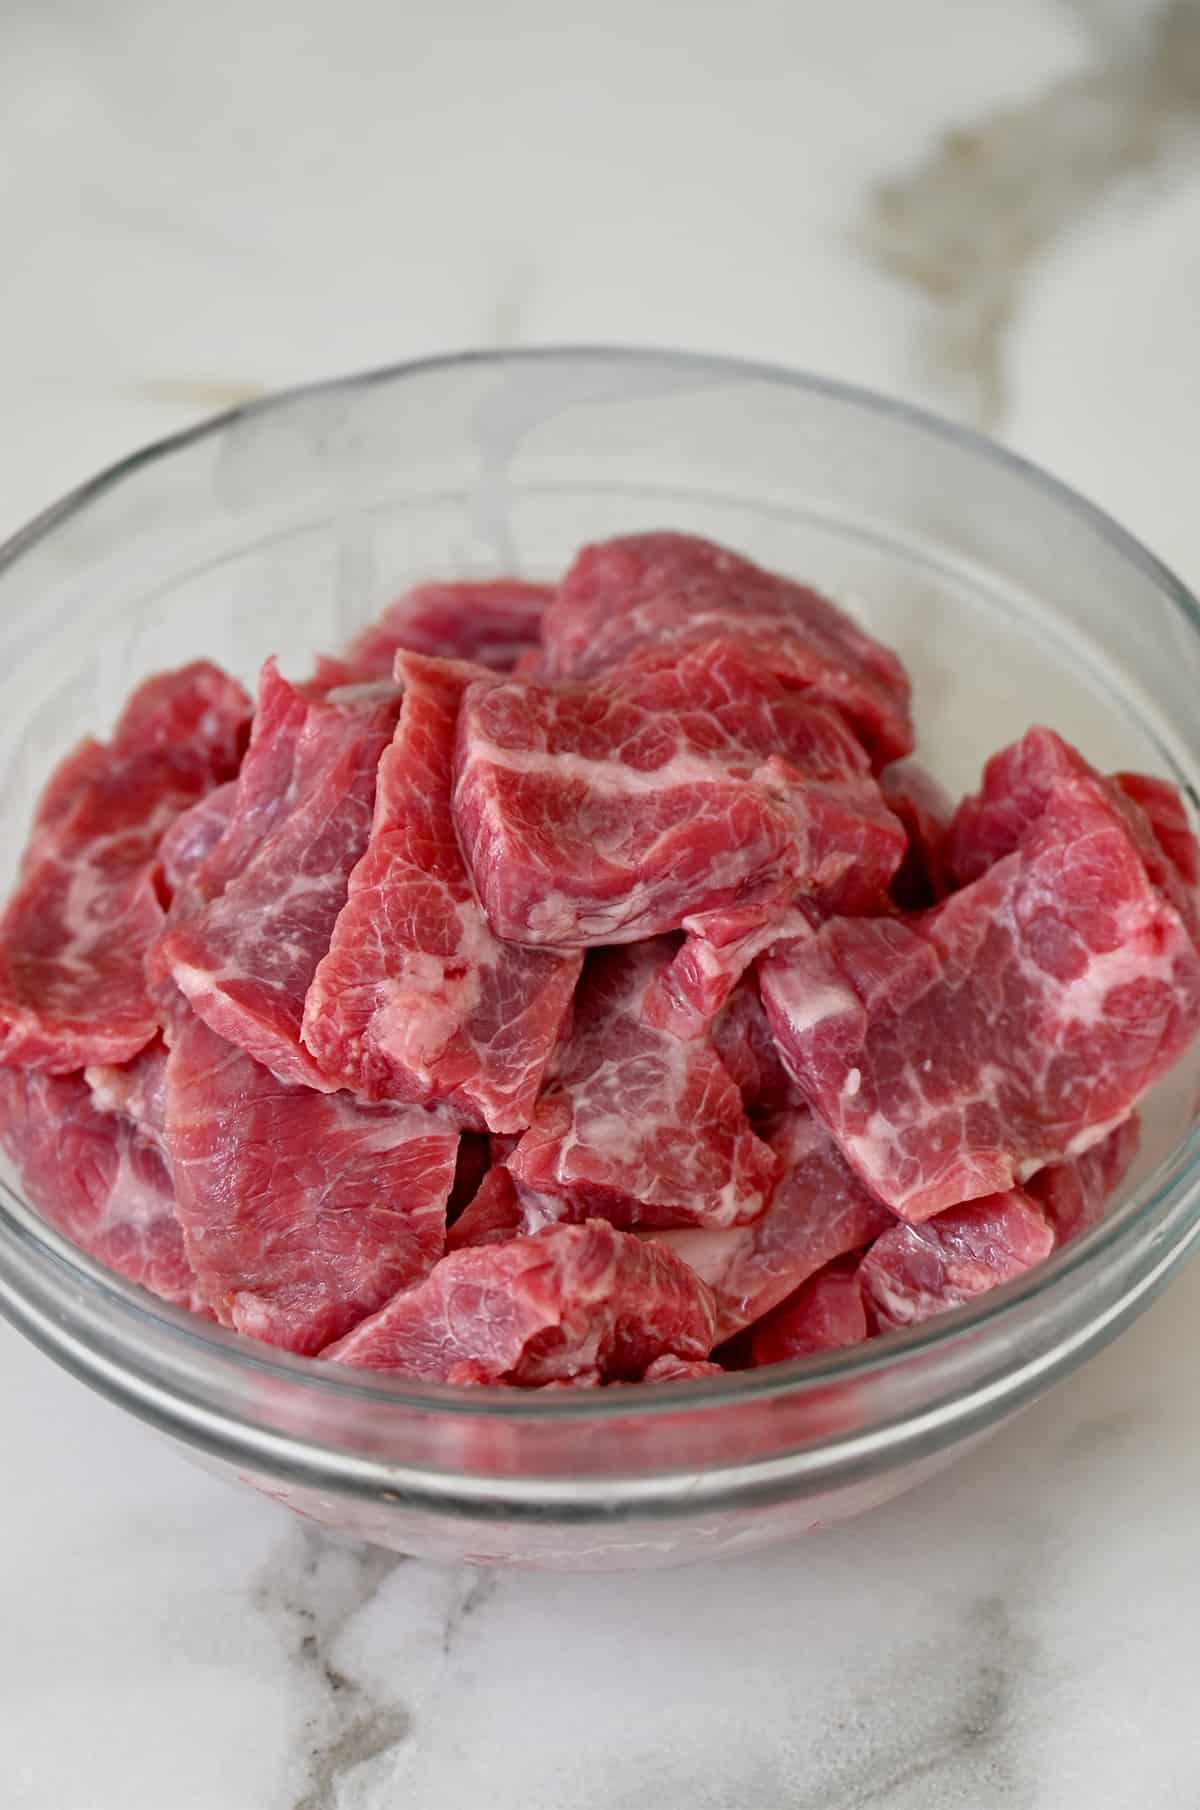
x=97 y=1180
x=192 y=838
x=671 y=1368
x=639 y=1127
x=492 y=621
x=955 y=1054
x=74 y=937
x=212 y=843
x=742 y=1038
x=196 y=714
x=826 y=1314
x=646 y=591
x=472 y=1167
x=416 y=999
x=302 y=1212
x=137 y=1088
x=923 y=807
x=182 y=853
x=1020 y=780
x=608 y=812
x=496 y=1213
x=913 y=1272
x=1167 y=816
x=1073 y=1195
x=540 y=1310
x=288 y=748
x=728 y=707
x=819 y=1211
x=245 y=958
x=718 y=948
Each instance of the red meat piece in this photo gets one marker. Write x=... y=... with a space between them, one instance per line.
x=819 y=1211
x=74 y=937
x=742 y=1038
x=912 y=1272
x=480 y=1158
x=955 y=1054
x=211 y=844
x=538 y=1310
x=244 y=959
x=1019 y=782
x=471 y=1169
x=302 y=1212
x=639 y=1127
x=1167 y=816
x=1073 y=1195
x=416 y=999
x=495 y=1214
x=196 y=713
x=138 y=1089
x=182 y=853
x=827 y=1314
x=288 y=751
x=718 y=948
x=192 y=838
x=605 y=813
x=924 y=808
x=501 y=1210
x=644 y=591
x=97 y=1180
x=671 y=1368
x=491 y=621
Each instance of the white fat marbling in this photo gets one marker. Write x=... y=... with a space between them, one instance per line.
x=993 y=210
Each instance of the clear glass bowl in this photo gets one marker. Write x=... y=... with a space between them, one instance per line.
x=285 y=525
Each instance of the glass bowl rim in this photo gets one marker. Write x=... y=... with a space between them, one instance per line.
x=1057 y=1277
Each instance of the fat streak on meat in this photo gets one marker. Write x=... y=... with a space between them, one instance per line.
x=74 y=937
x=302 y=1212
x=570 y=1300
x=416 y=998
x=955 y=1053
x=650 y=591
x=608 y=812
x=245 y=958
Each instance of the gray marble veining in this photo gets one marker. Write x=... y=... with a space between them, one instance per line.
x=966 y=222
x=939 y=1726
x=310 y=1590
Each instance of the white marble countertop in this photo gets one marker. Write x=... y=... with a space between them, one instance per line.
x=993 y=210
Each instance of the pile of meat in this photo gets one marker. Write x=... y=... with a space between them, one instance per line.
x=565 y=985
